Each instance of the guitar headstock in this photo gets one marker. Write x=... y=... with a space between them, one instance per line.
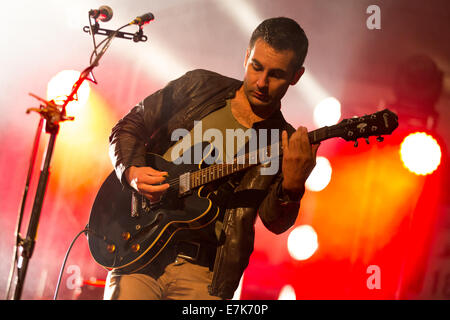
x=376 y=124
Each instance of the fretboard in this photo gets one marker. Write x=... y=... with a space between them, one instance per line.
x=260 y=156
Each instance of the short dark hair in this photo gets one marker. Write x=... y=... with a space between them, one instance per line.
x=282 y=33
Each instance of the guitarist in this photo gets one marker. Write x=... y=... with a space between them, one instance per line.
x=208 y=263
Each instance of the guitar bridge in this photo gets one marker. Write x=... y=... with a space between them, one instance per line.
x=185 y=184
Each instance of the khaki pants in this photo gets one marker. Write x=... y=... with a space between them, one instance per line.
x=181 y=280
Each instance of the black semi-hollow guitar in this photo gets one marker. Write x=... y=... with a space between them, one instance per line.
x=128 y=232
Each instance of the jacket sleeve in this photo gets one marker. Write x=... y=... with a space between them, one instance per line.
x=278 y=211
x=129 y=136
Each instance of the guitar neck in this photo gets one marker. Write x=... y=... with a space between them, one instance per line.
x=376 y=124
x=262 y=155
x=323 y=133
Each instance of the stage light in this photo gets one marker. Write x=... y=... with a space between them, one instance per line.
x=302 y=242
x=327 y=112
x=420 y=153
x=60 y=86
x=287 y=293
x=320 y=177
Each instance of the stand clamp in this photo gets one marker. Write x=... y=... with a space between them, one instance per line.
x=136 y=37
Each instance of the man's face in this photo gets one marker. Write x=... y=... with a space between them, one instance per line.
x=268 y=74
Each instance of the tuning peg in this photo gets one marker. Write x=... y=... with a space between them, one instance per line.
x=356 y=144
x=367 y=140
x=380 y=139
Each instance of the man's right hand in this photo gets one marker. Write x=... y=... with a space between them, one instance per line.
x=147 y=181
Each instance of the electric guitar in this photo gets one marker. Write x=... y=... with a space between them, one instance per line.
x=127 y=232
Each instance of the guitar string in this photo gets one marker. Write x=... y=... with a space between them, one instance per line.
x=208 y=171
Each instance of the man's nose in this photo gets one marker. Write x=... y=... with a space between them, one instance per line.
x=263 y=81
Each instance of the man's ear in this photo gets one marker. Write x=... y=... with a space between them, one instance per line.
x=297 y=75
x=247 y=55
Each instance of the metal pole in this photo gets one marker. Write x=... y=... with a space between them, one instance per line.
x=28 y=243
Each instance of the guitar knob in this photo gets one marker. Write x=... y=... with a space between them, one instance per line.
x=135 y=247
x=126 y=236
x=110 y=248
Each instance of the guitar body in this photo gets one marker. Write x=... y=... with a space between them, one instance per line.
x=129 y=238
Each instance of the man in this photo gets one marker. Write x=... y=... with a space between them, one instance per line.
x=208 y=263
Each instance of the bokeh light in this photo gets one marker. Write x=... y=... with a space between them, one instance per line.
x=420 y=153
x=302 y=242
x=327 y=112
x=320 y=177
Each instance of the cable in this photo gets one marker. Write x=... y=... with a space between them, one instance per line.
x=110 y=37
x=97 y=56
x=65 y=260
x=92 y=33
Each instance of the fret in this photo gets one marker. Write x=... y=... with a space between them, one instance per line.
x=220 y=170
x=207 y=173
x=193 y=179
x=320 y=134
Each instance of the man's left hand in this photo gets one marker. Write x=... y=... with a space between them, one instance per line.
x=299 y=159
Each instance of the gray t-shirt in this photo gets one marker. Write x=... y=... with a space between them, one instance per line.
x=222 y=130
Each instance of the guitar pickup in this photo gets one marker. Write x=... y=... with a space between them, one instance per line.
x=185 y=184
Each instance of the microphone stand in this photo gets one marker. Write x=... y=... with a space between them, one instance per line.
x=22 y=207
x=53 y=115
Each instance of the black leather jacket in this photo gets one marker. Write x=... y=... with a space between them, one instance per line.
x=148 y=127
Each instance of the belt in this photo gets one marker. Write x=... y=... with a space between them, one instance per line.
x=196 y=252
